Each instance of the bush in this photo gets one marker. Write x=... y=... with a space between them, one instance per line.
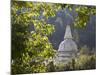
x=85 y=62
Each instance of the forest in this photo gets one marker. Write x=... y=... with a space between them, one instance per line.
x=30 y=48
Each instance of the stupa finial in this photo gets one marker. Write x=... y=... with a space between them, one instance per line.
x=68 y=32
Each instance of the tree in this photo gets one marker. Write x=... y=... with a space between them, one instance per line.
x=83 y=14
x=31 y=48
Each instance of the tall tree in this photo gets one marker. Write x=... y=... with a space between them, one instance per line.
x=31 y=47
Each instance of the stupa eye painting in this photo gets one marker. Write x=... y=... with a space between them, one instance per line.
x=52 y=37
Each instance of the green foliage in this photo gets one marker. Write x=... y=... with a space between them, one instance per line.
x=85 y=50
x=51 y=67
x=60 y=67
x=31 y=49
x=86 y=62
x=83 y=14
x=83 y=62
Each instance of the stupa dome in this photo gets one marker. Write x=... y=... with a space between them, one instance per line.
x=67 y=45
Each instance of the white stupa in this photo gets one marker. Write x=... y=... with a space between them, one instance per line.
x=67 y=48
